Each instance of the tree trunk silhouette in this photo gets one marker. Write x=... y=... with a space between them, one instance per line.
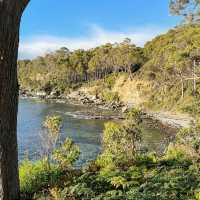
x=10 y=16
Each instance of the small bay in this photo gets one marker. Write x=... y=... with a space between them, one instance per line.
x=79 y=124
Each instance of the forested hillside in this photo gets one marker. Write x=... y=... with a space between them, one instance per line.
x=64 y=69
x=162 y=73
x=170 y=66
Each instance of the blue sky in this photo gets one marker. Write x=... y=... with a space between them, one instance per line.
x=48 y=25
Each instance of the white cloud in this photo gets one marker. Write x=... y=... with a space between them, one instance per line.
x=39 y=45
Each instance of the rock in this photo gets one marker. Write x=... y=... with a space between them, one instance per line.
x=94 y=98
x=41 y=94
x=55 y=93
x=60 y=101
x=125 y=109
x=98 y=102
x=73 y=95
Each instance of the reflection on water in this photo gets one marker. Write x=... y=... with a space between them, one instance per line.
x=85 y=132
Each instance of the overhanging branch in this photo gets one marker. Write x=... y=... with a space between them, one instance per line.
x=24 y=3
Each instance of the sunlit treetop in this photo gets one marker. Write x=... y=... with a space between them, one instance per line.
x=189 y=9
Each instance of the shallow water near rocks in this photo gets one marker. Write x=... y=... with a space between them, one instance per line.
x=79 y=124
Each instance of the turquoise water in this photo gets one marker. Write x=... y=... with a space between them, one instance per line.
x=77 y=125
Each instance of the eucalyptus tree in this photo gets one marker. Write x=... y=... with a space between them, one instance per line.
x=130 y=56
x=79 y=64
x=190 y=9
x=179 y=65
x=10 y=17
x=100 y=62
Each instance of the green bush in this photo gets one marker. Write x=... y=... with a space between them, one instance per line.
x=115 y=175
x=110 y=80
x=110 y=97
x=66 y=154
x=34 y=176
x=55 y=166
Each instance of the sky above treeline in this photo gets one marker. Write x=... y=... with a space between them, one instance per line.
x=48 y=25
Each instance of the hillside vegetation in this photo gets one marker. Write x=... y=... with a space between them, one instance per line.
x=158 y=76
x=170 y=69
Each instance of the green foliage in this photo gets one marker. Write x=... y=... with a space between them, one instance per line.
x=61 y=70
x=177 y=153
x=34 y=176
x=193 y=107
x=119 y=145
x=119 y=181
x=121 y=141
x=169 y=68
x=66 y=154
x=120 y=171
x=165 y=62
x=197 y=195
x=110 y=80
x=50 y=136
x=54 y=167
x=134 y=115
x=188 y=8
x=188 y=142
x=110 y=97
x=156 y=182
x=149 y=177
x=53 y=124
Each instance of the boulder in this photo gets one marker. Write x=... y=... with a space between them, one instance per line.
x=41 y=94
x=125 y=109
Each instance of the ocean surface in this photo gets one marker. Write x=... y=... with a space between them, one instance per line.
x=77 y=125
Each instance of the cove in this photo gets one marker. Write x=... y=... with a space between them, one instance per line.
x=77 y=125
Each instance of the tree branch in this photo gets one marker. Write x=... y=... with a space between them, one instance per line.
x=24 y=3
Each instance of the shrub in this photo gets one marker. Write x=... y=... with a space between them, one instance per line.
x=197 y=195
x=109 y=81
x=119 y=182
x=50 y=135
x=134 y=115
x=54 y=166
x=66 y=154
x=34 y=176
x=110 y=97
x=178 y=153
x=119 y=144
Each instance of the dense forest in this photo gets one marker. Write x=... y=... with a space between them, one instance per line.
x=169 y=63
x=63 y=69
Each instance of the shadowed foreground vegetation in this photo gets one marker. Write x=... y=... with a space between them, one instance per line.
x=122 y=171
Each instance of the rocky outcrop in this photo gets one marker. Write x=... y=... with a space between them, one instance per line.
x=88 y=99
x=31 y=94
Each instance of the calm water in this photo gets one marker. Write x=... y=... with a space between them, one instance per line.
x=84 y=131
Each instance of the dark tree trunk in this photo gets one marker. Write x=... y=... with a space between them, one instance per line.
x=10 y=15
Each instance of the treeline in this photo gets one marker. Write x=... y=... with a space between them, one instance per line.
x=173 y=65
x=167 y=58
x=64 y=69
x=169 y=64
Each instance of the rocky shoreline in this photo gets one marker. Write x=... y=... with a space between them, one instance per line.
x=80 y=98
x=169 y=123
